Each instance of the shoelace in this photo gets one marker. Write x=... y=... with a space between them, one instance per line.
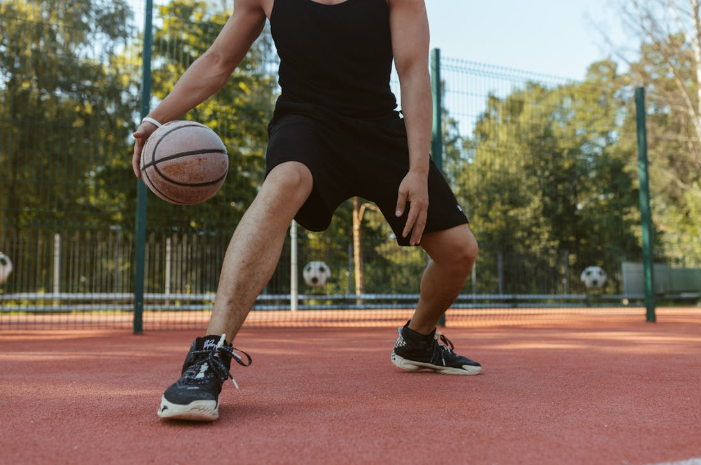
x=217 y=365
x=446 y=342
x=447 y=345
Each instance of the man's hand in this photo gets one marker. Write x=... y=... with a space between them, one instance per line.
x=414 y=189
x=209 y=72
x=142 y=133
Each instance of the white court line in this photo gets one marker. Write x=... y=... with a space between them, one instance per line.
x=696 y=461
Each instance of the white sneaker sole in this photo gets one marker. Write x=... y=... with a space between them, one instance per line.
x=410 y=365
x=199 y=410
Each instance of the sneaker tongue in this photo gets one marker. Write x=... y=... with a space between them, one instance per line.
x=207 y=342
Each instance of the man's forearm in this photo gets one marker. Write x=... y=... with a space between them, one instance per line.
x=201 y=80
x=417 y=107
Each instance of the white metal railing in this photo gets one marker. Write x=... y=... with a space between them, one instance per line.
x=36 y=302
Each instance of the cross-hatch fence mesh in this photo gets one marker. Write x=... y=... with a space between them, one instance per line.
x=544 y=168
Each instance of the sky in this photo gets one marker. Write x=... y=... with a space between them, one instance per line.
x=554 y=37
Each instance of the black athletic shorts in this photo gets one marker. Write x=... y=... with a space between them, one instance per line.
x=350 y=157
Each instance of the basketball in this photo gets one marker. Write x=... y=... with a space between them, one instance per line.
x=184 y=162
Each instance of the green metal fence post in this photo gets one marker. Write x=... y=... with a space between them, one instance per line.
x=437 y=136
x=141 y=187
x=645 y=212
x=437 y=139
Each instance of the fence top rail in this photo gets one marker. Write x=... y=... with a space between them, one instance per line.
x=457 y=64
x=210 y=296
x=127 y=308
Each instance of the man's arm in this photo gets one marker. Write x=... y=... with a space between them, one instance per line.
x=410 y=43
x=209 y=72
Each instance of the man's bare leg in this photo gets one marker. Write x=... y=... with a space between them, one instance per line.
x=249 y=263
x=453 y=253
x=255 y=248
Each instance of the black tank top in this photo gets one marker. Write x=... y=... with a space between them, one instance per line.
x=335 y=56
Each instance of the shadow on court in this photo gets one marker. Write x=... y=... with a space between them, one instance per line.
x=618 y=391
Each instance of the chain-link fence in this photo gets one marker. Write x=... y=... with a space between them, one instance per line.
x=544 y=168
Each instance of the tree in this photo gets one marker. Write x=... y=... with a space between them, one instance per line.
x=63 y=105
x=239 y=112
x=544 y=179
x=669 y=66
x=65 y=117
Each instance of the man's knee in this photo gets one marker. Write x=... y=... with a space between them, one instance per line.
x=291 y=179
x=454 y=250
x=465 y=255
x=460 y=255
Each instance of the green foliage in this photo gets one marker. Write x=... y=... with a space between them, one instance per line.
x=670 y=77
x=239 y=112
x=544 y=178
x=547 y=173
x=64 y=108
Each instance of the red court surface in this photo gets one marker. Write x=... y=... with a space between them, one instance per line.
x=617 y=391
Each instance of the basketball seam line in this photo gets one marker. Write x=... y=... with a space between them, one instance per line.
x=154 y=163
x=153 y=156
x=158 y=191
x=155 y=189
x=183 y=154
x=155 y=149
x=199 y=184
x=196 y=125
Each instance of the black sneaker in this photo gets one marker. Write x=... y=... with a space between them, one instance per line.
x=195 y=396
x=414 y=351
